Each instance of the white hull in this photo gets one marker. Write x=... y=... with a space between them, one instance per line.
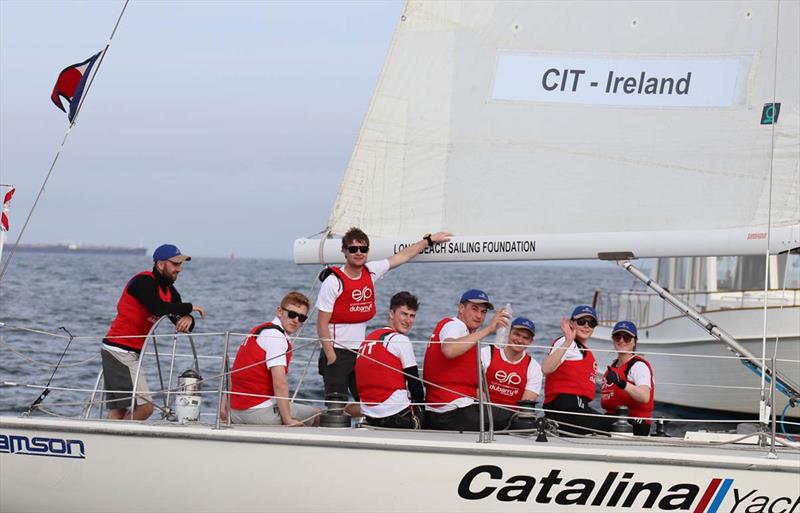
x=698 y=382
x=168 y=467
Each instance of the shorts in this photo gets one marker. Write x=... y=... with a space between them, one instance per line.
x=119 y=370
x=271 y=415
x=340 y=376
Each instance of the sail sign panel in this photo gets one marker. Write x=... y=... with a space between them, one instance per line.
x=669 y=158
x=653 y=82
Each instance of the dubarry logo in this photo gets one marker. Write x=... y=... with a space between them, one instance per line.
x=42 y=446
x=486 y=481
x=362 y=294
x=505 y=378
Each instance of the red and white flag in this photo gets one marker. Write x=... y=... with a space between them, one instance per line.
x=4 y=216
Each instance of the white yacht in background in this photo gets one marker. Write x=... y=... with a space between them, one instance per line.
x=730 y=292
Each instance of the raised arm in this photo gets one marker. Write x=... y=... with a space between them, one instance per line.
x=415 y=249
x=455 y=347
x=553 y=360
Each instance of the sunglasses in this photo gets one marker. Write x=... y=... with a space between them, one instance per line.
x=622 y=337
x=356 y=249
x=583 y=322
x=292 y=315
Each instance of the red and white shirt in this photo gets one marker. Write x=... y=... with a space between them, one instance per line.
x=272 y=346
x=576 y=375
x=508 y=380
x=346 y=334
x=381 y=384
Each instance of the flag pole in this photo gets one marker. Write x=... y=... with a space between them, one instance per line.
x=61 y=147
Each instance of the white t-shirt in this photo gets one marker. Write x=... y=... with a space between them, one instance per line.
x=640 y=374
x=572 y=352
x=275 y=344
x=347 y=335
x=400 y=346
x=534 y=373
x=452 y=330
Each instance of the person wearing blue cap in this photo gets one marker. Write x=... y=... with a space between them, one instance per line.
x=628 y=381
x=145 y=299
x=511 y=374
x=570 y=376
x=451 y=362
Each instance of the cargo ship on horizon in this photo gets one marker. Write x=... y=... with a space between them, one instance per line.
x=81 y=249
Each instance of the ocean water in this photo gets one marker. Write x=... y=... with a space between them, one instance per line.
x=79 y=293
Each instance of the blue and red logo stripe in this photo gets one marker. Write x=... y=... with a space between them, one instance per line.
x=719 y=487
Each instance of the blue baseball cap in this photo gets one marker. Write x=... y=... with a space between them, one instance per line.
x=625 y=326
x=169 y=252
x=584 y=311
x=476 y=296
x=525 y=323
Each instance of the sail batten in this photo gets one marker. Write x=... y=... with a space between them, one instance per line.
x=573 y=118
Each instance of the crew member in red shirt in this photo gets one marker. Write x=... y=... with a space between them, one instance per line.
x=346 y=301
x=386 y=369
x=451 y=366
x=570 y=376
x=259 y=389
x=511 y=374
x=146 y=298
x=629 y=380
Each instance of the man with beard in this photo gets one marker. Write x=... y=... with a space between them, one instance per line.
x=451 y=363
x=146 y=298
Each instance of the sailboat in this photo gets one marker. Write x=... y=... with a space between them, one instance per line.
x=542 y=130
x=730 y=291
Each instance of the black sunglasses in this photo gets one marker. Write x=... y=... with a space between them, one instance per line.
x=356 y=249
x=292 y=314
x=583 y=322
x=625 y=337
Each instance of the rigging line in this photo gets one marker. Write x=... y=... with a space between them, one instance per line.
x=316 y=346
x=762 y=409
x=45 y=364
x=46 y=390
x=61 y=147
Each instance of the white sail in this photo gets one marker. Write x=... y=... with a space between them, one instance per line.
x=608 y=121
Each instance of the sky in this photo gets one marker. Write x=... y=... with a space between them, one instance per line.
x=222 y=127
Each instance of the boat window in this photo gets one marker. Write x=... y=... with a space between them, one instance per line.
x=683 y=274
x=751 y=273
x=726 y=272
x=789 y=270
x=664 y=276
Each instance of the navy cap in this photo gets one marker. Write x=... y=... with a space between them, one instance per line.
x=584 y=311
x=476 y=296
x=525 y=323
x=625 y=326
x=169 y=252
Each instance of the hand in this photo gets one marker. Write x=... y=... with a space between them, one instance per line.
x=614 y=379
x=293 y=422
x=501 y=318
x=200 y=311
x=569 y=329
x=440 y=237
x=184 y=324
x=330 y=356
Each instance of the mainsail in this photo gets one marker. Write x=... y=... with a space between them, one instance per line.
x=567 y=129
